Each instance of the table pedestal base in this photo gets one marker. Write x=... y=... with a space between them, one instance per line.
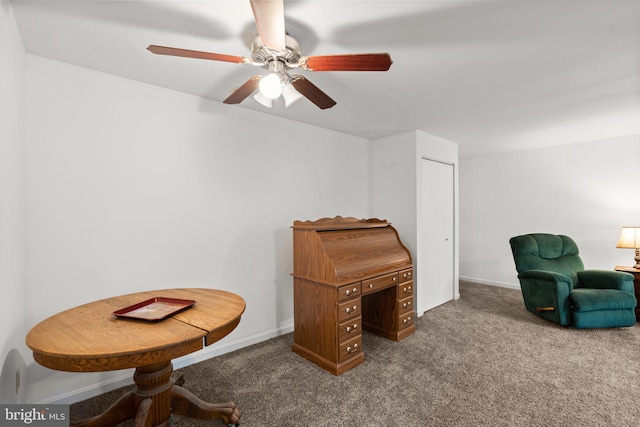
x=154 y=398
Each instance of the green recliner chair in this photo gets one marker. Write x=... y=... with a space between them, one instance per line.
x=556 y=286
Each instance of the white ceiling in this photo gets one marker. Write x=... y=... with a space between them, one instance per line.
x=491 y=75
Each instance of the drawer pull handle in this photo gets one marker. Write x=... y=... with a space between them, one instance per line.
x=350 y=310
x=370 y=285
x=353 y=349
x=352 y=329
x=406 y=275
x=349 y=291
x=406 y=304
x=393 y=279
x=407 y=320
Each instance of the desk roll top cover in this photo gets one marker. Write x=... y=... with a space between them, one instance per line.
x=348 y=275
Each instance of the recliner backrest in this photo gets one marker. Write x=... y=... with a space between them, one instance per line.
x=549 y=252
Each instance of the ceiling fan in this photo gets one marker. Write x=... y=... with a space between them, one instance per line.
x=274 y=50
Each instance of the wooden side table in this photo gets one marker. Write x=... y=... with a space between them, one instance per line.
x=636 y=284
x=88 y=338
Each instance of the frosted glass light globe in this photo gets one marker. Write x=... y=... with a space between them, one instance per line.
x=271 y=86
x=290 y=95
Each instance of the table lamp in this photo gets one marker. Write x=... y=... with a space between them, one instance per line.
x=630 y=239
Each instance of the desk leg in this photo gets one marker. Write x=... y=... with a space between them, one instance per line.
x=184 y=403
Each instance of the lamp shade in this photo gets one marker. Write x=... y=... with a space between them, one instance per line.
x=629 y=238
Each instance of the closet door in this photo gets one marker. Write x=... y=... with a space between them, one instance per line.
x=436 y=263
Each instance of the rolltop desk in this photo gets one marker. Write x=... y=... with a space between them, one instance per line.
x=348 y=275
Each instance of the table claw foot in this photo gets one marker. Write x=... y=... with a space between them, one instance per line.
x=122 y=410
x=185 y=403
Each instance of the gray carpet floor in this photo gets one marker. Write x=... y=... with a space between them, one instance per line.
x=480 y=361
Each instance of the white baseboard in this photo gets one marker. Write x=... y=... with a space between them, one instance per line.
x=227 y=347
x=126 y=377
x=91 y=391
x=490 y=282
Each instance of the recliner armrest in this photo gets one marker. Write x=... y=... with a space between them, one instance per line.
x=606 y=279
x=549 y=276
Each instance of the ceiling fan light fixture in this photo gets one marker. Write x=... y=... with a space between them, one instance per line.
x=290 y=94
x=267 y=102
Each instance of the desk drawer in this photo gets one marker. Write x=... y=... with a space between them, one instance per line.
x=349 y=329
x=405 y=290
x=349 y=291
x=377 y=283
x=406 y=275
x=405 y=320
x=405 y=306
x=350 y=349
x=349 y=309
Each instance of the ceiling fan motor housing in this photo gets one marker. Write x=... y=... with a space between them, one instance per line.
x=262 y=54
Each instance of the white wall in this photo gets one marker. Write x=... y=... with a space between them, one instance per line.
x=394 y=185
x=12 y=208
x=396 y=163
x=587 y=191
x=133 y=187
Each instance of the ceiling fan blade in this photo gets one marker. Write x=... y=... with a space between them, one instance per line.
x=269 y=16
x=244 y=91
x=347 y=62
x=312 y=92
x=173 y=51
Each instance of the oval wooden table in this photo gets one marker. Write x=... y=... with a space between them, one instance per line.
x=89 y=338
